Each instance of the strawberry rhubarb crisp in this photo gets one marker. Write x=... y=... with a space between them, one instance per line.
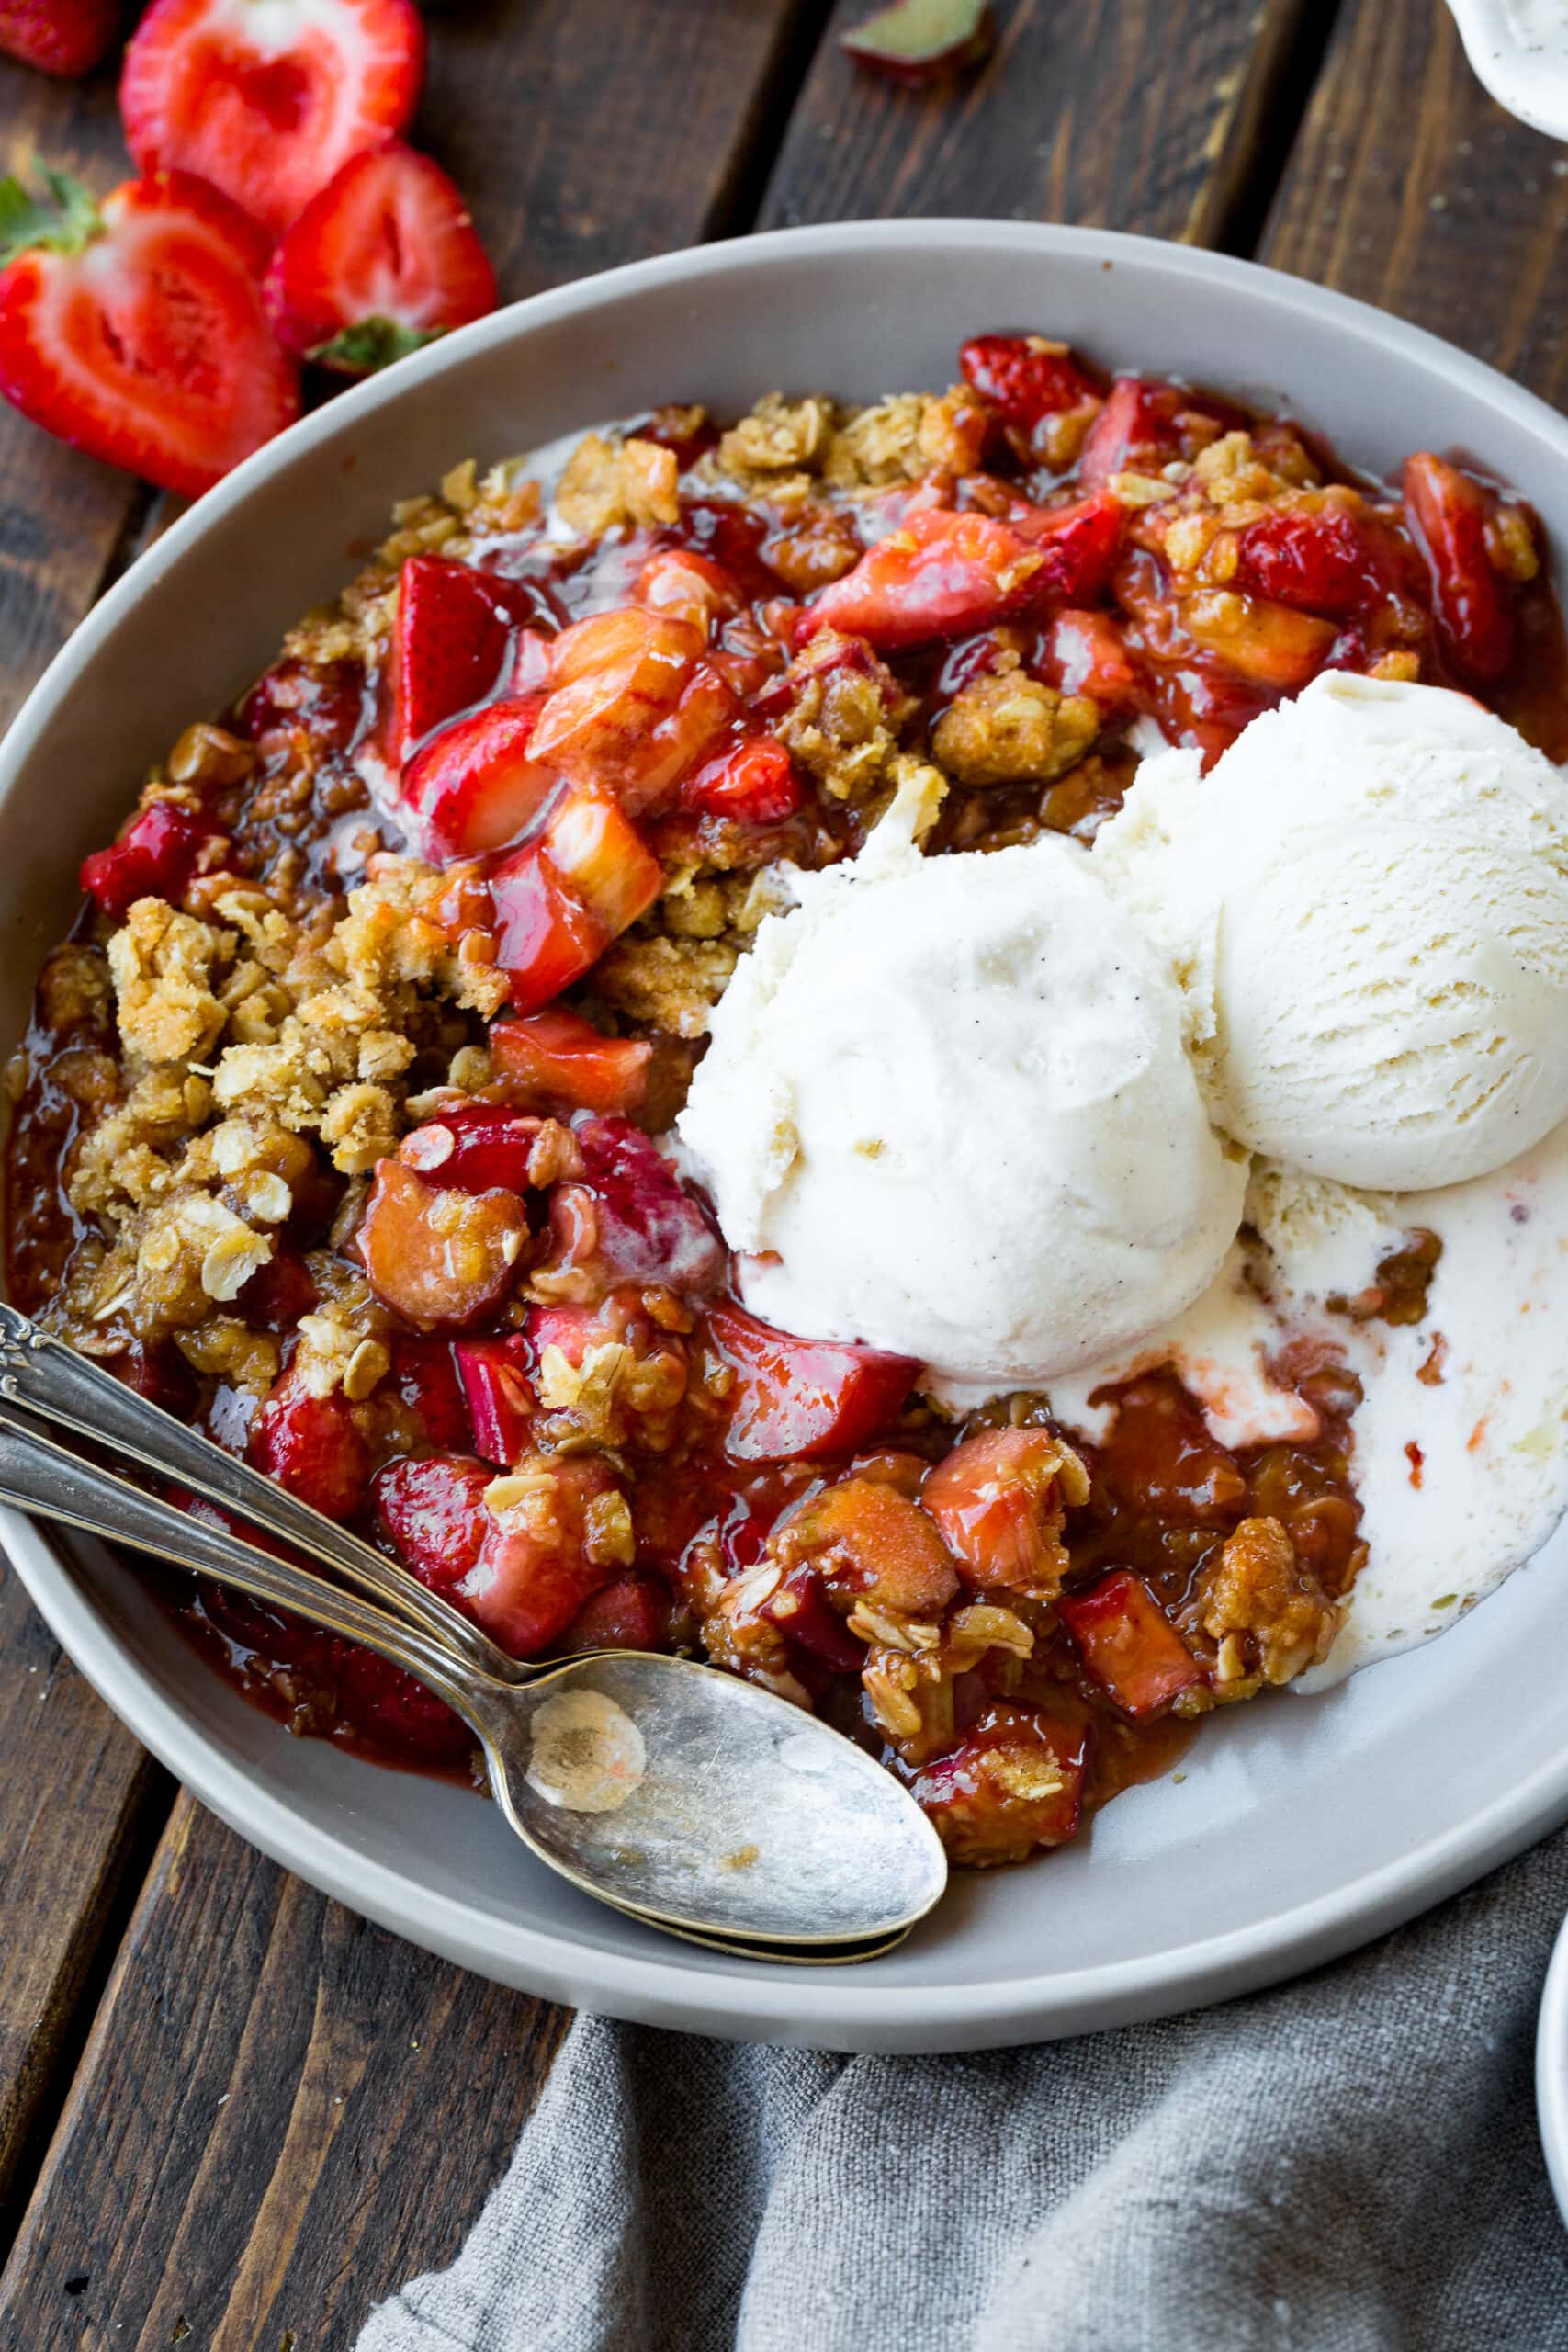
x=338 y=1129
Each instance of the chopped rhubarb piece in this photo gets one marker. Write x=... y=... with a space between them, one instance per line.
x=1083 y=653
x=562 y=1058
x=425 y=1377
x=793 y=1397
x=867 y=1542
x=1129 y=1646
x=603 y=859
x=153 y=858
x=544 y=936
x=1078 y=546
x=1448 y=515
x=534 y=1572
x=440 y=1258
x=999 y=1499
x=1272 y=645
x=922 y=41
x=433 y=1511
x=475 y=785
x=450 y=644
x=633 y=1614
x=499 y=1397
x=651 y=1227
x=688 y=587
x=799 y=1609
x=937 y=575
x=1015 y=1782
x=631 y=707
x=754 y=781
x=477 y=1147
x=312 y=1446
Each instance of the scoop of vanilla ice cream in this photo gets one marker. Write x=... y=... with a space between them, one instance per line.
x=1366 y=906
x=946 y=1109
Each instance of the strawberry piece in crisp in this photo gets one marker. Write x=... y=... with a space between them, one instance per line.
x=450 y=645
x=153 y=858
x=135 y=330
x=754 y=781
x=1078 y=547
x=433 y=1511
x=312 y=1446
x=558 y=902
x=1024 y=377
x=938 y=575
x=476 y=1147
x=425 y=1376
x=65 y=37
x=381 y=262
x=475 y=785
x=1014 y=1782
x=651 y=1227
x=633 y=1614
x=1083 y=653
x=1448 y=515
x=998 y=1499
x=269 y=103
x=534 y=1572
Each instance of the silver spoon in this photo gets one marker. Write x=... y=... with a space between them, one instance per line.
x=672 y=1792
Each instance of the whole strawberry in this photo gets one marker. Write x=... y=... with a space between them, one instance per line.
x=66 y=36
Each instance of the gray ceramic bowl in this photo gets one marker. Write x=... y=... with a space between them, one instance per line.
x=1301 y=1826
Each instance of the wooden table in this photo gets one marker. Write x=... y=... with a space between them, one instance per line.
x=232 y=2115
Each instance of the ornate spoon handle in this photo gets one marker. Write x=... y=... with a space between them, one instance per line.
x=50 y=1380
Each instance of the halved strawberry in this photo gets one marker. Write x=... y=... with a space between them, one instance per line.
x=135 y=330
x=311 y=1445
x=433 y=1511
x=752 y=780
x=475 y=785
x=1024 y=377
x=66 y=36
x=425 y=1378
x=633 y=1614
x=382 y=261
x=938 y=574
x=450 y=643
x=268 y=101
x=802 y=1397
x=560 y=1057
x=651 y=1227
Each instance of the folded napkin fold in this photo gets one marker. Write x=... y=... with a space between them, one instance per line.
x=1347 y=2164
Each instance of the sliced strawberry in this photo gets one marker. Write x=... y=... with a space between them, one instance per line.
x=1447 y=512
x=754 y=781
x=651 y=1227
x=793 y=1396
x=65 y=37
x=533 y=1574
x=153 y=858
x=544 y=936
x=1129 y=1646
x=477 y=1146
x=269 y=102
x=433 y=1511
x=1024 y=377
x=475 y=785
x=633 y=1614
x=937 y=575
x=440 y=1258
x=998 y=1502
x=1078 y=546
x=382 y=261
x=1015 y=1782
x=425 y=1377
x=494 y=1374
x=562 y=1058
x=451 y=641
x=135 y=330
x=311 y=1445
x=1315 y=561
x=1146 y=424
x=1083 y=653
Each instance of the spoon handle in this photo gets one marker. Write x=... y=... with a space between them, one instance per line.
x=50 y=1482
x=50 y=1380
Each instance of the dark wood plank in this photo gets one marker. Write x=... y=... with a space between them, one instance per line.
x=283 y=2113
x=1412 y=188
x=82 y=1803
x=1145 y=115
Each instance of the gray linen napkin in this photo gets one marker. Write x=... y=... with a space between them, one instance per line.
x=1345 y=2164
